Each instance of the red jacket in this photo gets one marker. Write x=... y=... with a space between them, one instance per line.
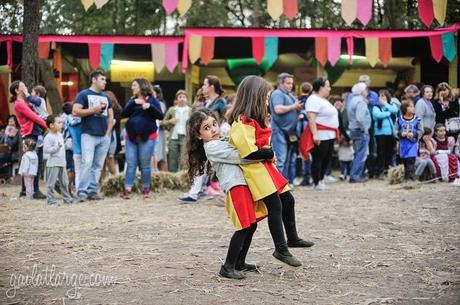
x=306 y=143
x=26 y=118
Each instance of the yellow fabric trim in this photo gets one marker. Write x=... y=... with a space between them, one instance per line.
x=243 y=138
x=231 y=212
x=260 y=209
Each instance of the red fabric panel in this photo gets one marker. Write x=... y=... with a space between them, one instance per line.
x=258 y=48
x=94 y=51
x=321 y=50
x=425 y=11
x=436 y=47
x=385 y=51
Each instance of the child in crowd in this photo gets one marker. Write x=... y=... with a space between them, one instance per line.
x=54 y=154
x=444 y=159
x=29 y=166
x=39 y=102
x=426 y=150
x=251 y=135
x=203 y=145
x=345 y=155
x=408 y=130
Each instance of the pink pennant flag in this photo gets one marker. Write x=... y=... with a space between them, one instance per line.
x=333 y=49
x=258 y=48
x=94 y=52
x=364 y=11
x=169 y=6
x=171 y=56
x=351 y=49
x=425 y=11
x=436 y=47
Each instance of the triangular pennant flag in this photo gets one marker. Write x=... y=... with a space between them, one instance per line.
x=271 y=49
x=321 y=50
x=94 y=52
x=87 y=4
x=436 y=47
x=100 y=3
x=169 y=6
x=9 y=53
x=258 y=48
x=349 y=11
x=372 y=50
x=171 y=55
x=106 y=55
x=440 y=8
x=364 y=11
x=333 y=49
x=158 y=56
x=425 y=11
x=207 y=49
x=194 y=48
x=351 y=49
x=43 y=50
x=290 y=8
x=275 y=8
x=183 y=6
x=448 y=45
x=385 y=50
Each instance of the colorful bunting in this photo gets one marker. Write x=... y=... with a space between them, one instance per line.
x=169 y=6
x=290 y=8
x=258 y=48
x=207 y=49
x=351 y=49
x=106 y=55
x=271 y=49
x=385 y=50
x=425 y=11
x=349 y=11
x=158 y=56
x=372 y=50
x=100 y=3
x=440 y=8
x=321 y=50
x=171 y=55
x=448 y=45
x=9 y=53
x=364 y=11
x=194 y=48
x=333 y=49
x=87 y=4
x=436 y=47
x=43 y=50
x=94 y=51
x=275 y=8
x=183 y=6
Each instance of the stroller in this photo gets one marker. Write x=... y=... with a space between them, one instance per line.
x=6 y=164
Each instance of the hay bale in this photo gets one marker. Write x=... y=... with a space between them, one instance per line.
x=114 y=186
x=396 y=174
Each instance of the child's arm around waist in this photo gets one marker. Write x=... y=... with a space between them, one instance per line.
x=221 y=152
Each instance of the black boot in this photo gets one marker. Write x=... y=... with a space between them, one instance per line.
x=234 y=250
x=241 y=264
x=231 y=274
x=283 y=254
x=294 y=241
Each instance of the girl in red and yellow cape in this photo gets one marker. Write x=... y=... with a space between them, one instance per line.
x=250 y=135
x=204 y=149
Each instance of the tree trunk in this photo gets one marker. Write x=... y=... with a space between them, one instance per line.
x=256 y=14
x=31 y=27
x=47 y=75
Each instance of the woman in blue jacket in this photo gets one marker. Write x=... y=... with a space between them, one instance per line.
x=384 y=115
x=141 y=132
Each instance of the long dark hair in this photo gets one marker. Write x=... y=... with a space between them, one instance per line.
x=215 y=81
x=194 y=155
x=251 y=98
x=13 y=87
x=144 y=86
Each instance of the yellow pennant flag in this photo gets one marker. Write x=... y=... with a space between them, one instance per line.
x=275 y=8
x=349 y=11
x=183 y=6
x=440 y=8
x=194 y=48
x=87 y=3
x=372 y=50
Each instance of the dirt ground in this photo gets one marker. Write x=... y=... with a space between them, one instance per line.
x=375 y=244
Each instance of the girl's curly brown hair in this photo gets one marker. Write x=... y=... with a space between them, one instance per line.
x=194 y=155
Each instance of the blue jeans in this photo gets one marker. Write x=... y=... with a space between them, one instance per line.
x=361 y=147
x=307 y=170
x=345 y=168
x=139 y=154
x=285 y=155
x=94 y=151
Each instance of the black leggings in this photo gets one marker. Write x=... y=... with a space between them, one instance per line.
x=239 y=246
x=321 y=156
x=409 y=168
x=385 y=149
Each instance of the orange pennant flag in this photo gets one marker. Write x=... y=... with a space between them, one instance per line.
x=321 y=50
x=290 y=8
x=385 y=50
x=207 y=49
x=43 y=50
